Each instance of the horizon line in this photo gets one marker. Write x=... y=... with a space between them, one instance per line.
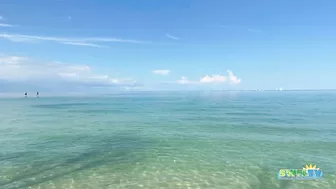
x=65 y=94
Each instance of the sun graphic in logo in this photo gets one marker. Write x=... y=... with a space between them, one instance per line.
x=310 y=167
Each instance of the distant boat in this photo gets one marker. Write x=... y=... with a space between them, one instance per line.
x=37 y=94
x=25 y=94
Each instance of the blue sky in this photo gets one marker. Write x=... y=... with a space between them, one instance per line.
x=163 y=45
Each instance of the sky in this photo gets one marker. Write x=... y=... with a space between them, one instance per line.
x=103 y=46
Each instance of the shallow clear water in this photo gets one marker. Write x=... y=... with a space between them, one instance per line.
x=233 y=140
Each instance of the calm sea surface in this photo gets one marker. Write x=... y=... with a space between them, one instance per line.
x=232 y=140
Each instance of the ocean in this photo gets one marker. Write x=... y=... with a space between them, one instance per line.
x=153 y=140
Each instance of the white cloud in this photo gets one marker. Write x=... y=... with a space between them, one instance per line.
x=161 y=72
x=172 y=37
x=83 y=41
x=10 y=60
x=6 y=25
x=23 y=69
x=213 y=79
x=221 y=78
x=232 y=78
x=183 y=80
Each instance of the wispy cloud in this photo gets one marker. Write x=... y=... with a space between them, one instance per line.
x=184 y=80
x=83 y=44
x=34 y=38
x=23 y=69
x=67 y=39
x=161 y=72
x=233 y=27
x=172 y=37
x=10 y=60
x=84 y=41
x=225 y=26
x=16 y=38
x=212 y=79
x=107 y=39
x=6 y=25
x=254 y=30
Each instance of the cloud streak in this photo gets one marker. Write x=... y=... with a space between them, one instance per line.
x=84 y=44
x=84 y=41
x=251 y=30
x=161 y=72
x=6 y=25
x=172 y=37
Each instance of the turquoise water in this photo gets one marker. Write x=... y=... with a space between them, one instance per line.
x=229 y=140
